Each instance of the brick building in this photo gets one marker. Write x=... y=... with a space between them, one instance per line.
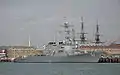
x=22 y=51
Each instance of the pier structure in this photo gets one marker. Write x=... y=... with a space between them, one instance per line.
x=13 y=52
x=22 y=51
x=2 y=53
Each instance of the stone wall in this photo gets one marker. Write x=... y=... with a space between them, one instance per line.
x=21 y=52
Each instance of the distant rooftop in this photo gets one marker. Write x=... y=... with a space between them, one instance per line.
x=6 y=47
x=118 y=42
x=21 y=47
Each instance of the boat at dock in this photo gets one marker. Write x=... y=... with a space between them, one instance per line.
x=66 y=51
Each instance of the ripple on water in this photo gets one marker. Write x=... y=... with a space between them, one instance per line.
x=60 y=69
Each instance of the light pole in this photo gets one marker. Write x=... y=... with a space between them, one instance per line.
x=29 y=38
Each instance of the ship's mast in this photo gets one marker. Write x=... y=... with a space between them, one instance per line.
x=97 y=35
x=82 y=34
x=67 y=33
x=73 y=36
x=68 y=40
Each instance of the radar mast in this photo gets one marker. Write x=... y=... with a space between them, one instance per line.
x=67 y=26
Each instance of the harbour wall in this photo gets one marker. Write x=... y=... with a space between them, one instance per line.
x=22 y=51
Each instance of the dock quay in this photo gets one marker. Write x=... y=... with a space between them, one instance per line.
x=6 y=59
x=109 y=60
x=12 y=53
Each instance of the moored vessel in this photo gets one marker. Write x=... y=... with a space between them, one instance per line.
x=66 y=51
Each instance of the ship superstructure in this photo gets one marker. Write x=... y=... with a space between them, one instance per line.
x=82 y=42
x=68 y=40
x=63 y=48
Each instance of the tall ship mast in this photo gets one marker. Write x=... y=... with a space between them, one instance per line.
x=82 y=34
x=97 y=35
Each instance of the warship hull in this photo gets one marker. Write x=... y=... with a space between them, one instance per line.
x=85 y=58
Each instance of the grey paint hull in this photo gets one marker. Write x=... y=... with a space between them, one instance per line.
x=60 y=59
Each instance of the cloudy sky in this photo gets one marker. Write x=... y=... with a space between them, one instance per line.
x=41 y=19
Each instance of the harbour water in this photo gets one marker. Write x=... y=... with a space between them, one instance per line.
x=59 y=69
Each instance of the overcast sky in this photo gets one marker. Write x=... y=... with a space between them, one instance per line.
x=41 y=19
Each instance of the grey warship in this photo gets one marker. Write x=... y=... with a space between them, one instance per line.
x=65 y=51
